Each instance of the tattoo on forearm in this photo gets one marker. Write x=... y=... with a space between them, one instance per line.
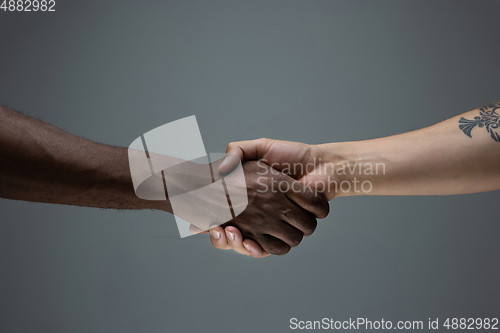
x=488 y=118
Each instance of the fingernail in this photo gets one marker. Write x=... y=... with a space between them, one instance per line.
x=246 y=247
x=230 y=235
x=224 y=162
x=215 y=234
x=228 y=164
x=223 y=165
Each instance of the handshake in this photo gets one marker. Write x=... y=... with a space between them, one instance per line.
x=284 y=199
x=260 y=198
x=275 y=191
x=265 y=195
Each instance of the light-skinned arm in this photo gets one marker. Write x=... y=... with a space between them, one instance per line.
x=457 y=156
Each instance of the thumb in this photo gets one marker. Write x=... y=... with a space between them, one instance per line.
x=196 y=231
x=243 y=151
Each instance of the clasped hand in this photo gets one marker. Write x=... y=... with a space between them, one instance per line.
x=282 y=208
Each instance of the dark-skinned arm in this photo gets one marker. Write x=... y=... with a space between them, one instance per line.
x=41 y=163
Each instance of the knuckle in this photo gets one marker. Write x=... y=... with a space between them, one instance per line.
x=230 y=146
x=286 y=213
x=313 y=199
x=279 y=250
x=296 y=239
x=308 y=196
x=318 y=203
x=264 y=142
x=310 y=226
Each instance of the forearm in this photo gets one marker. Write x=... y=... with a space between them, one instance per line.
x=41 y=163
x=438 y=160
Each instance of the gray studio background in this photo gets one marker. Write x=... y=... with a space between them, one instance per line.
x=311 y=71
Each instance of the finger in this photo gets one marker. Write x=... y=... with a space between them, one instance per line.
x=237 y=152
x=218 y=238
x=304 y=222
x=307 y=198
x=287 y=233
x=196 y=231
x=254 y=249
x=235 y=240
x=273 y=245
x=299 y=219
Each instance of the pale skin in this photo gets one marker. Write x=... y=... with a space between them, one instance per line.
x=457 y=156
x=41 y=163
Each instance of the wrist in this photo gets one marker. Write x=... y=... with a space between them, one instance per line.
x=115 y=177
x=352 y=168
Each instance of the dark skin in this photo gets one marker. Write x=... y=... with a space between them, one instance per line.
x=41 y=163
x=272 y=218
